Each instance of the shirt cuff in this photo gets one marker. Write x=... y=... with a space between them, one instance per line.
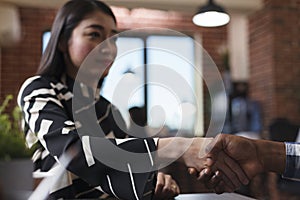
x=292 y=165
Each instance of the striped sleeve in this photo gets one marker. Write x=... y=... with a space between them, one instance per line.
x=292 y=169
x=42 y=103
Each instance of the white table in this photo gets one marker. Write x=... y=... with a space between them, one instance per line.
x=212 y=196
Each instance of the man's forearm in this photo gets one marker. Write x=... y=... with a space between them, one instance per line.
x=272 y=155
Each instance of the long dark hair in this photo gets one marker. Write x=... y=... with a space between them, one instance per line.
x=67 y=18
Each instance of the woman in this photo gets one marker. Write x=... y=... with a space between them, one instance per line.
x=47 y=101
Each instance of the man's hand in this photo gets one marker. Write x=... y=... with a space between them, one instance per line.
x=243 y=150
x=253 y=156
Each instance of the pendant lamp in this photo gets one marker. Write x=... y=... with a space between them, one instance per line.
x=211 y=15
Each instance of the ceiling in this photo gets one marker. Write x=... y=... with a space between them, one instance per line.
x=245 y=6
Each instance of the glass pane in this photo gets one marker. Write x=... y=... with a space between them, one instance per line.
x=46 y=37
x=124 y=85
x=171 y=96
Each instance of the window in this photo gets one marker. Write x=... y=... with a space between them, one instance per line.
x=172 y=75
x=126 y=77
x=165 y=63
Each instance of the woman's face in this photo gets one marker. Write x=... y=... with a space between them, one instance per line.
x=90 y=32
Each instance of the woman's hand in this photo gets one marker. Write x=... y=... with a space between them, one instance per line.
x=166 y=187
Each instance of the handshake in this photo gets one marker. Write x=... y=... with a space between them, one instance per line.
x=226 y=162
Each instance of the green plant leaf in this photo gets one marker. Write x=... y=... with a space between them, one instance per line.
x=12 y=141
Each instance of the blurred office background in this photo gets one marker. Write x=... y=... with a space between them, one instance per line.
x=259 y=48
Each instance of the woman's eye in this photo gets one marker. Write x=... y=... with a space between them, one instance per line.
x=94 y=35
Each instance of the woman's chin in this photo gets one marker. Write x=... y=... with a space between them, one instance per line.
x=94 y=74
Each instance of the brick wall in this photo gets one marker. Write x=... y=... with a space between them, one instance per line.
x=274 y=59
x=21 y=60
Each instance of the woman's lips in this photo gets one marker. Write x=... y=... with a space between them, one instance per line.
x=104 y=62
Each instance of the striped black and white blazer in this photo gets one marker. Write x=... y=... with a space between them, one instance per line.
x=46 y=104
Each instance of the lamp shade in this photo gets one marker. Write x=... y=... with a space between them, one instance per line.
x=211 y=15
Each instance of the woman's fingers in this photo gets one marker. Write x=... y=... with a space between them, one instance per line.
x=160 y=183
x=166 y=187
x=192 y=171
x=175 y=188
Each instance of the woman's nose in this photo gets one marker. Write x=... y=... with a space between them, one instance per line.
x=108 y=46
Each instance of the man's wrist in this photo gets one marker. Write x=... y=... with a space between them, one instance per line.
x=271 y=155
